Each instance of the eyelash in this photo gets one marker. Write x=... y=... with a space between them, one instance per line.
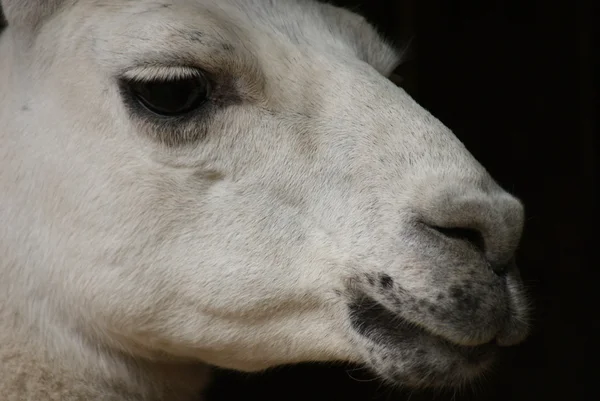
x=157 y=72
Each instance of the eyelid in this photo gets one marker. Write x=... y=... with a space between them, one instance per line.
x=158 y=72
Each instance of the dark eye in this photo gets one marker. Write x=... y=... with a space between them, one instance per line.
x=171 y=97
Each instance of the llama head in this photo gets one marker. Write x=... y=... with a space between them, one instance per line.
x=238 y=182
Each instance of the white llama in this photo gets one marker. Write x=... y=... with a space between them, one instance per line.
x=237 y=183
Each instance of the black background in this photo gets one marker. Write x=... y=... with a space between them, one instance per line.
x=517 y=83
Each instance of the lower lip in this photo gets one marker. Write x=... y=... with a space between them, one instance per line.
x=370 y=317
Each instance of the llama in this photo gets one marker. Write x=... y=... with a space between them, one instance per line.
x=234 y=183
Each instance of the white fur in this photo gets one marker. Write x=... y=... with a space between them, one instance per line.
x=128 y=264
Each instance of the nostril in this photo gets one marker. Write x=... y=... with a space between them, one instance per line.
x=502 y=269
x=474 y=238
x=468 y=235
x=472 y=217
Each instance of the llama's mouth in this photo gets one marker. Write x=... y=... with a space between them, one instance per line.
x=401 y=351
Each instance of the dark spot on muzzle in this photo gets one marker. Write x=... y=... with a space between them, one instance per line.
x=386 y=281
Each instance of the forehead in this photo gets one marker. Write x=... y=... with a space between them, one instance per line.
x=133 y=30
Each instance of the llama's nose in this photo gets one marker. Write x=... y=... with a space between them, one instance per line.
x=490 y=220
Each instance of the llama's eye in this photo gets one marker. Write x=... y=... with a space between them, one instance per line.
x=173 y=96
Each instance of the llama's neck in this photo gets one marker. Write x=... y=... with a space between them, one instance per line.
x=40 y=363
